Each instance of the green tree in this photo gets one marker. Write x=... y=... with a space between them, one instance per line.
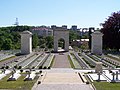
x=49 y=41
x=73 y=36
x=111 y=31
x=7 y=45
x=35 y=40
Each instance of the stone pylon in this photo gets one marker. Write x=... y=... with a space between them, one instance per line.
x=96 y=45
x=26 y=42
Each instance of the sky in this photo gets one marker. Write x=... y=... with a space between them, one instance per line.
x=83 y=13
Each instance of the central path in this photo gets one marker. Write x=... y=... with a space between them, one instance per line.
x=61 y=61
x=61 y=79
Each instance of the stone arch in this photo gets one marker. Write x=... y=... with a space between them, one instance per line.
x=58 y=34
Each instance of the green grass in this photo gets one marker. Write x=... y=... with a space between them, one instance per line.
x=51 y=64
x=106 y=86
x=71 y=63
x=7 y=58
x=20 y=84
x=87 y=62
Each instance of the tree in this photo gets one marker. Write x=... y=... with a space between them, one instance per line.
x=7 y=45
x=111 y=31
x=73 y=35
x=49 y=41
x=35 y=40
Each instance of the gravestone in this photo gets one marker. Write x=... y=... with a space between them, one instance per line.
x=96 y=47
x=26 y=42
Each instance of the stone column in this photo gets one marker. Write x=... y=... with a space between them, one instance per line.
x=26 y=42
x=96 y=46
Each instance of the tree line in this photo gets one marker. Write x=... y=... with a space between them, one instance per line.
x=10 y=38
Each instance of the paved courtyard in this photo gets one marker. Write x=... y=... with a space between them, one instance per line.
x=61 y=61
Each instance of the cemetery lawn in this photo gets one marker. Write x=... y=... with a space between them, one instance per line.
x=19 y=84
x=7 y=58
x=106 y=86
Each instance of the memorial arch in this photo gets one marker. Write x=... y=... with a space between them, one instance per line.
x=61 y=33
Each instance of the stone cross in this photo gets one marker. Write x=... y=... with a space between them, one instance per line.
x=116 y=75
x=113 y=77
x=12 y=74
x=3 y=70
x=14 y=70
x=99 y=73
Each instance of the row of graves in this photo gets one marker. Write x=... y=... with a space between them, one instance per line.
x=15 y=74
x=107 y=75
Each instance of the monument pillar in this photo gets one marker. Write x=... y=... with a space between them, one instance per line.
x=96 y=47
x=26 y=42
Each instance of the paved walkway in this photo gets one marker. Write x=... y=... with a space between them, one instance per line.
x=61 y=79
x=61 y=61
x=64 y=87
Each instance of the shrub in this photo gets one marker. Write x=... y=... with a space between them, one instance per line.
x=7 y=67
x=2 y=67
x=15 y=67
x=45 y=67
x=21 y=70
x=33 y=67
x=49 y=67
x=19 y=67
x=40 y=71
x=40 y=67
x=87 y=82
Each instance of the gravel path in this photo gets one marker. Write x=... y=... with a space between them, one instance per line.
x=61 y=61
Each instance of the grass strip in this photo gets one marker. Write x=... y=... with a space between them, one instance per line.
x=71 y=63
x=7 y=58
x=88 y=63
x=51 y=64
